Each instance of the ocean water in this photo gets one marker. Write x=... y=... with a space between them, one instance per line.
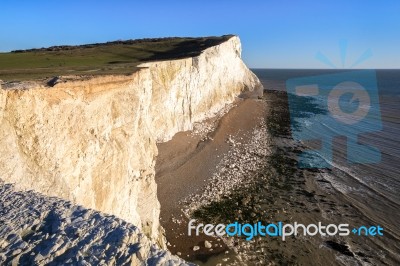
x=372 y=188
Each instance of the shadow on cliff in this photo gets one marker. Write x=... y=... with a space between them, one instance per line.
x=165 y=49
x=187 y=48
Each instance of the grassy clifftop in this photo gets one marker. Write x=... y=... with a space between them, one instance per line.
x=118 y=57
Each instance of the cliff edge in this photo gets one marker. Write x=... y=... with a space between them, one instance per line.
x=93 y=141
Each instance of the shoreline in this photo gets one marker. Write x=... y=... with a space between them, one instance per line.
x=279 y=191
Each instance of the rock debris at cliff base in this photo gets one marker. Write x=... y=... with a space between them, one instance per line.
x=234 y=143
x=235 y=169
x=235 y=172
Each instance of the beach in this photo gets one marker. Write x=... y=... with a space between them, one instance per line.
x=208 y=188
x=185 y=165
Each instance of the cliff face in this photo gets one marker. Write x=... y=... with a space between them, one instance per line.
x=94 y=141
x=189 y=90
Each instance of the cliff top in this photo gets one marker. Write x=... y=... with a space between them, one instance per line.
x=117 y=57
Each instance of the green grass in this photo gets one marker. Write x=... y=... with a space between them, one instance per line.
x=119 y=57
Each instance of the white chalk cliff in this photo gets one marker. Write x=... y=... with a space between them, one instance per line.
x=93 y=141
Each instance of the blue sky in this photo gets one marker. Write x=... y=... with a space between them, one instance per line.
x=274 y=34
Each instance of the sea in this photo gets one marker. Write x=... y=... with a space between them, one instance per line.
x=372 y=187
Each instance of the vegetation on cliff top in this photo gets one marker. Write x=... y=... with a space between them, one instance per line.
x=118 y=57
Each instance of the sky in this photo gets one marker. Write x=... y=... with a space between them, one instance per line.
x=274 y=33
